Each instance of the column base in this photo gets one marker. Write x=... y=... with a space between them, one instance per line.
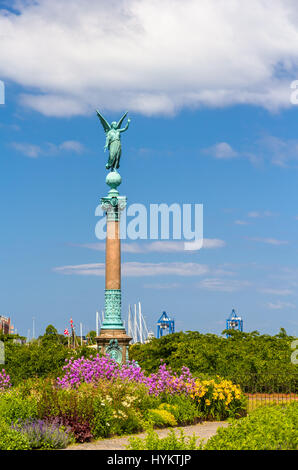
x=115 y=343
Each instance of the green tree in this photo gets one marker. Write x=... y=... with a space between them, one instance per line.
x=39 y=359
x=282 y=333
x=259 y=363
x=51 y=330
x=52 y=335
x=92 y=336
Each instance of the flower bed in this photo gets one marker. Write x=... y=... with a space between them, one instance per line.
x=95 y=369
x=97 y=398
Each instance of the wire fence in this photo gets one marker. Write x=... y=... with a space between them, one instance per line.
x=258 y=399
x=274 y=391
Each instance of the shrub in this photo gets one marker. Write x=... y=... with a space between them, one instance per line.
x=106 y=399
x=14 y=407
x=72 y=408
x=219 y=399
x=94 y=411
x=183 y=407
x=259 y=363
x=37 y=359
x=172 y=442
x=80 y=428
x=144 y=400
x=214 y=399
x=126 y=422
x=23 y=361
x=126 y=401
x=102 y=417
x=11 y=439
x=98 y=368
x=134 y=422
x=270 y=427
x=161 y=417
x=95 y=369
x=44 y=435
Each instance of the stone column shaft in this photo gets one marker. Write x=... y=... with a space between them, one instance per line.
x=113 y=255
x=113 y=339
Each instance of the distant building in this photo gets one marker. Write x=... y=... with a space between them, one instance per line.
x=234 y=322
x=19 y=341
x=165 y=325
x=150 y=337
x=6 y=327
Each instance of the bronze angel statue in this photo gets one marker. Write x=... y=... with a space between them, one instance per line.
x=113 y=142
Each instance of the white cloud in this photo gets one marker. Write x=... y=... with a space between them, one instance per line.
x=256 y=214
x=158 y=247
x=138 y=269
x=271 y=291
x=161 y=286
x=241 y=222
x=253 y=214
x=72 y=146
x=48 y=149
x=222 y=285
x=213 y=243
x=91 y=269
x=287 y=275
x=269 y=241
x=281 y=152
x=280 y=305
x=30 y=150
x=164 y=269
x=222 y=150
x=149 y=56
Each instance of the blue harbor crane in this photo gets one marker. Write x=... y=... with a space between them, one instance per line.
x=234 y=322
x=165 y=325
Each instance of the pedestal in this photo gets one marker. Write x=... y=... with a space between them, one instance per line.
x=113 y=339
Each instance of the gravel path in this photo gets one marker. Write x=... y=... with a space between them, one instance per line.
x=203 y=431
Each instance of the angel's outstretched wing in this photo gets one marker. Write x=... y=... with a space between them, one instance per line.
x=121 y=120
x=104 y=123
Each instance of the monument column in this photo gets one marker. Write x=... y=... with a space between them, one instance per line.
x=113 y=339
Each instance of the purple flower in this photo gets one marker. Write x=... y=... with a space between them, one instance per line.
x=98 y=368
x=4 y=381
x=44 y=434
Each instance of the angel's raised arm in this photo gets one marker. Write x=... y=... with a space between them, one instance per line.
x=126 y=127
x=121 y=120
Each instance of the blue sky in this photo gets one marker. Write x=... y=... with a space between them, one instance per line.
x=217 y=129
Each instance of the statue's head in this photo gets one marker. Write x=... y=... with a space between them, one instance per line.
x=114 y=125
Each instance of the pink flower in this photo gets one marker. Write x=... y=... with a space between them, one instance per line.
x=4 y=381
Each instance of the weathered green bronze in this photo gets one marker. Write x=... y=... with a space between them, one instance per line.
x=112 y=319
x=113 y=142
x=113 y=339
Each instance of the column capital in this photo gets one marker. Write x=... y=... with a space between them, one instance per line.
x=112 y=205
